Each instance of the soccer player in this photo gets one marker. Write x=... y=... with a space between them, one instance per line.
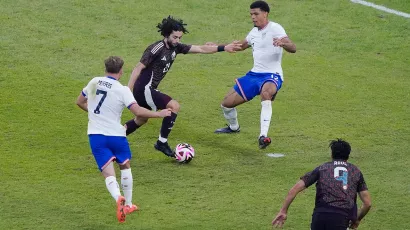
x=104 y=98
x=156 y=61
x=337 y=185
x=267 y=39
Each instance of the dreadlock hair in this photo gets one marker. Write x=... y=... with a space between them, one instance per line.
x=340 y=149
x=170 y=24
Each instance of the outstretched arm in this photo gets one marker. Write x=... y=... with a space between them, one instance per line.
x=243 y=44
x=143 y=112
x=82 y=102
x=209 y=49
x=285 y=43
x=135 y=74
x=282 y=215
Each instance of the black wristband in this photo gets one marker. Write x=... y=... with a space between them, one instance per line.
x=221 y=48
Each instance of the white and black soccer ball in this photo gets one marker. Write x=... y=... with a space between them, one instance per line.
x=184 y=152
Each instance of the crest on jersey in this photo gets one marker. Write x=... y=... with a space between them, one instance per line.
x=173 y=55
x=164 y=58
x=263 y=35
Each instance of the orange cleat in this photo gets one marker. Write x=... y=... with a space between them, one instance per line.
x=121 y=209
x=130 y=209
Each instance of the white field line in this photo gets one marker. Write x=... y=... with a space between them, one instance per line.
x=382 y=8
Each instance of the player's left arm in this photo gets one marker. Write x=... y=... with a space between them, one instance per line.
x=293 y=192
x=82 y=102
x=285 y=43
x=210 y=49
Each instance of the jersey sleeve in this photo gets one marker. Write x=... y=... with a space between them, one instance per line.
x=311 y=177
x=248 y=38
x=90 y=87
x=128 y=98
x=278 y=31
x=361 y=185
x=149 y=55
x=182 y=48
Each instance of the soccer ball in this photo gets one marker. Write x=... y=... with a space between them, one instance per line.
x=184 y=152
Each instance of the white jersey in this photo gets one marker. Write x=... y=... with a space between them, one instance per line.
x=106 y=98
x=267 y=58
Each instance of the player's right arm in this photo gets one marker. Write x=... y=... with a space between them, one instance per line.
x=82 y=99
x=143 y=112
x=135 y=74
x=240 y=44
x=244 y=44
x=82 y=102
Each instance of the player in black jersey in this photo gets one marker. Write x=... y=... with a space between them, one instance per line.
x=337 y=185
x=156 y=61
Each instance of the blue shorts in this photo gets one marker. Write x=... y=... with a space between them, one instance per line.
x=251 y=84
x=108 y=148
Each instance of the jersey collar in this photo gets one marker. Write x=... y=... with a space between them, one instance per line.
x=264 y=26
x=111 y=78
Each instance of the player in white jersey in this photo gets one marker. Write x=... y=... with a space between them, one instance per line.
x=104 y=98
x=267 y=39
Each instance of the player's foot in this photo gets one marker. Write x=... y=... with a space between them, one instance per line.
x=264 y=142
x=227 y=129
x=164 y=148
x=130 y=209
x=121 y=209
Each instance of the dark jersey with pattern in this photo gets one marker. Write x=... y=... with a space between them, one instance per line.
x=157 y=59
x=337 y=185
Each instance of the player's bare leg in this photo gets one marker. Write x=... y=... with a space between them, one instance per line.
x=127 y=185
x=134 y=124
x=267 y=94
x=167 y=125
x=112 y=185
x=231 y=100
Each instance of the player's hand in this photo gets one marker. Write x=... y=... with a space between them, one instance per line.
x=354 y=225
x=279 y=220
x=278 y=42
x=165 y=113
x=211 y=44
x=233 y=47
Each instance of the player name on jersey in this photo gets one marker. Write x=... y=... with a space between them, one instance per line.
x=340 y=163
x=104 y=83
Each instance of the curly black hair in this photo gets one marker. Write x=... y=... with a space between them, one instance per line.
x=170 y=24
x=261 y=5
x=340 y=149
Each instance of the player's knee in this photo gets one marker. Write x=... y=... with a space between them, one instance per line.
x=267 y=95
x=226 y=104
x=174 y=106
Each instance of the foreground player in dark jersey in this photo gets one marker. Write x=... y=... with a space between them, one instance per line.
x=152 y=68
x=337 y=185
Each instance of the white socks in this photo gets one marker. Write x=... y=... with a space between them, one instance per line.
x=163 y=140
x=112 y=186
x=126 y=185
x=266 y=115
x=231 y=116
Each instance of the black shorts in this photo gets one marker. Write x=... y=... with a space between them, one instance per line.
x=151 y=99
x=329 y=221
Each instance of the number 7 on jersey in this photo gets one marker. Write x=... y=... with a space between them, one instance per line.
x=104 y=95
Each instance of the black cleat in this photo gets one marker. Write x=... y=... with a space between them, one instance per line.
x=164 y=148
x=264 y=142
x=227 y=129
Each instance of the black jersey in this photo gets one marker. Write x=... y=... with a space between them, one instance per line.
x=157 y=59
x=337 y=185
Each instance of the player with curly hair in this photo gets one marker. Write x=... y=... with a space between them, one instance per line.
x=156 y=61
